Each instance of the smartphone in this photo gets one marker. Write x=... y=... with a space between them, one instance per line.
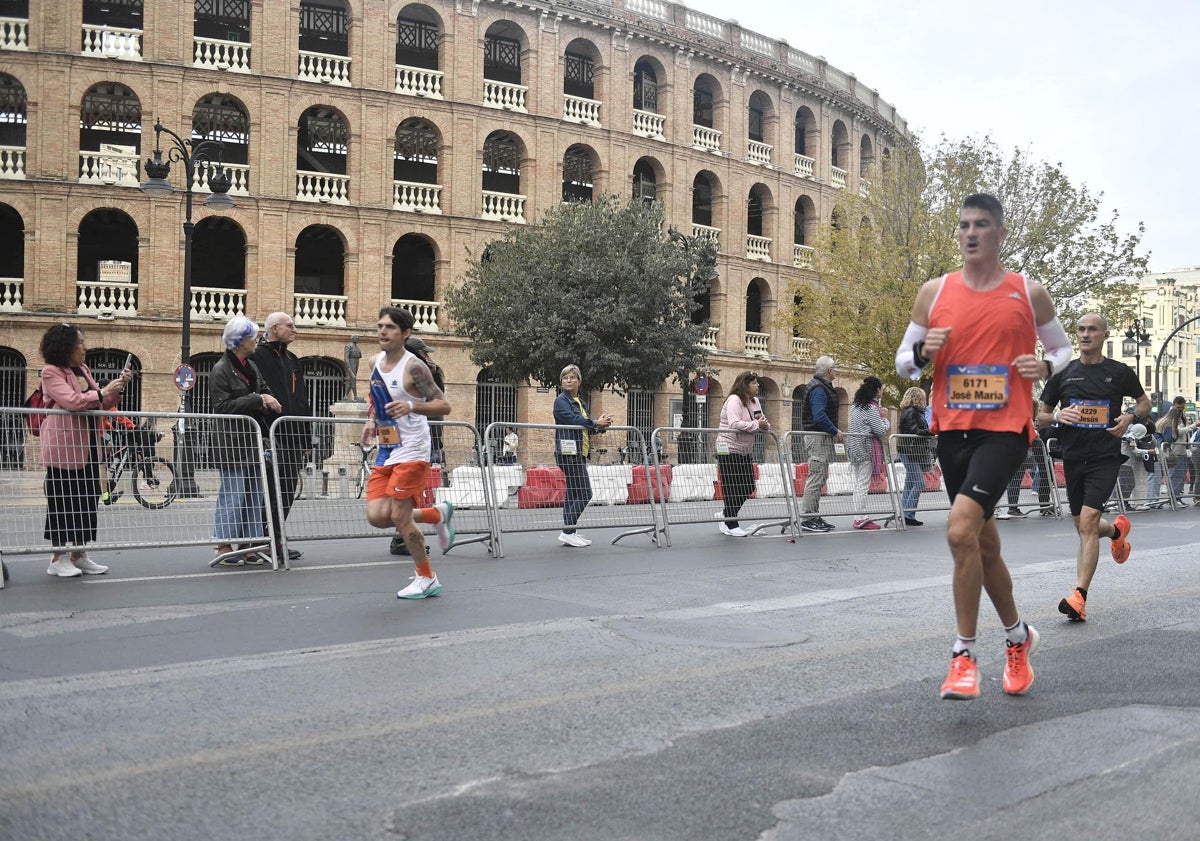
x=128 y=362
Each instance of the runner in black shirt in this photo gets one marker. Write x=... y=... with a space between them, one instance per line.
x=1091 y=391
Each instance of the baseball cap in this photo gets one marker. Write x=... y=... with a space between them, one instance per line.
x=1136 y=431
x=416 y=345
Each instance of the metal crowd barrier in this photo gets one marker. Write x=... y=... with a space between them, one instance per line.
x=1040 y=475
x=691 y=490
x=527 y=491
x=835 y=497
x=158 y=483
x=330 y=503
x=918 y=452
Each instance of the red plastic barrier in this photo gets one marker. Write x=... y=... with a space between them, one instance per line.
x=432 y=483
x=717 y=484
x=1060 y=475
x=545 y=487
x=638 y=495
x=933 y=479
x=802 y=477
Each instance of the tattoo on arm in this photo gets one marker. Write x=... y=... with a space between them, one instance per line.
x=424 y=384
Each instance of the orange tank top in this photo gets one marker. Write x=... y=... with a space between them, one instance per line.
x=975 y=385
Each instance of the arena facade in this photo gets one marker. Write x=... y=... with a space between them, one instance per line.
x=370 y=145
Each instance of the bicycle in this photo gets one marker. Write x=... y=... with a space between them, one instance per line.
x=360 y=478
x=151 y=477
x=364 y=468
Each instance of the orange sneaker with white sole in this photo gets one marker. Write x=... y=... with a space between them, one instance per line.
x=962 y=684
x=1018 y=673
x=1074 y=607
x=1120 y=545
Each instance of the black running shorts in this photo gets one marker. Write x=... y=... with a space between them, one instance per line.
x=979 y=463
x=1090 y=483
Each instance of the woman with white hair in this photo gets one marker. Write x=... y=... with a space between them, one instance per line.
x=237 y=388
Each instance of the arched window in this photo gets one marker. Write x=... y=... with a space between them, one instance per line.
x=759 y=110
x=418 y=38
x=320 y=261
x=106 y=364
x=645 y=184
x=13 y=125
x=495 y=402
x=106 y=235
x=804 y=221
x=755 y=205
x=325 y=381
x=222 y=20
x=502 y=163
x=577 y=173
x=218 y=263
x=704 y=97
x=12 y=258
x=805 y=125
x=321 y=143
x=413 y=270
x=839 y=148
x=415 y=153
x=502 y=53
x=221 y=117
x=866 y=156
x=645 y=87
x=702 y=200
x=579 y=70
x=13 y=390
x=110 y=118
x=324 y=27
x=754 y=306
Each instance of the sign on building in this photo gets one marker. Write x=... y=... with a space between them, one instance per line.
x=114 y=271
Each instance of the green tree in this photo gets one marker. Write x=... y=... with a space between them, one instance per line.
x=871 y=263
x=598 y=285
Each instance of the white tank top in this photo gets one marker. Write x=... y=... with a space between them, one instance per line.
x=413 y=428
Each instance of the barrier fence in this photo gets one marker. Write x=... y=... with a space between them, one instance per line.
x=138 y=496
x=171 y=479
x=695 y=491
x=814 y=453
x=330 y=500
x=530 y=481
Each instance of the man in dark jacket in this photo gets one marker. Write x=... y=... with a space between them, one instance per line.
x=819 y=416
x=285 y=378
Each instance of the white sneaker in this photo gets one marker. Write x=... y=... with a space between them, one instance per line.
x=87 y=566
x=421 y=588
x=445 y=531
x=63 y=568
x=1002 y=514
x=573 y=539
x=736 y=531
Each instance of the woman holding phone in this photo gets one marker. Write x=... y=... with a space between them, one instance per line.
x=741 y=418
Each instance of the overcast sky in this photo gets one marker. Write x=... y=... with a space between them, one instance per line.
x=1107 y=89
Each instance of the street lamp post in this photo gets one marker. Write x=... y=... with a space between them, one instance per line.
x=1158 y=360
x=205 y=154
x=1136 y=340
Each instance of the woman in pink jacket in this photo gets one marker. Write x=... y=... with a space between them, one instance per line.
x=71 y=449
x=741 y=419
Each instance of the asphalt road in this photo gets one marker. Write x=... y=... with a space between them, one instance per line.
x=719 y=689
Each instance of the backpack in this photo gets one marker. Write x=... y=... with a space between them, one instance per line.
x=33 y=422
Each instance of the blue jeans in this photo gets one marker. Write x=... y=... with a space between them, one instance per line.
x=914 y=483
x=239 y=514
x=579 y=488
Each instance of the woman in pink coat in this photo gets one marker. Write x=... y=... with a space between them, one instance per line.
x=71 y=449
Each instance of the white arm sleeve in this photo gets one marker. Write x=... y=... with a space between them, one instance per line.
x=1056 y=344
x=906 y=366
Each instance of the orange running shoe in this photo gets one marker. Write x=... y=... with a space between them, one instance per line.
x=1073 y=606
x=1018 y=673
x=1120 y=546
x=962 y=684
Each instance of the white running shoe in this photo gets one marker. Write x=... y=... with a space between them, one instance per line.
x=573 y=539
x=420 y=588
x=87 y=566
x=445 y=530
x=63 y=568
x=736 y=531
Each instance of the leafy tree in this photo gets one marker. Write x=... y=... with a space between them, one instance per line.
x=598 y=285
x=872 y=262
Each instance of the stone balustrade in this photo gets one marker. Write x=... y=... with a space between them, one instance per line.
x=503 y=207
x=107 y=299
x=112 y=42
x=323 y=187
x=416 y=198
x=647 y=124
x=217 y=54
x=214 y=304
x=324 y=68
x=319 y=310
x=424 y=312
x=504 y=96
x=417 y=81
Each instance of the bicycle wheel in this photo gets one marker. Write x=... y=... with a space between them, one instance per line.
x=153 y=482
x=360 y=481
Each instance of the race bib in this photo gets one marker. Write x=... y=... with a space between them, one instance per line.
x=722 y=448
x=389 y=436
x=568 y=447
x=976 y=386
x=1093 y=414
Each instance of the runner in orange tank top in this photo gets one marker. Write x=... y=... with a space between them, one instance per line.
x=979 y=327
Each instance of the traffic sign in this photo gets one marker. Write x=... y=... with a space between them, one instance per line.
x=700 y=384
x=185 y=377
